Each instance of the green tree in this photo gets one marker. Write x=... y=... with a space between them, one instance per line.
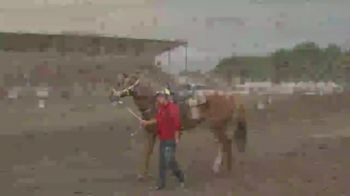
x=280 y=62
x=305 y=61
x=309 y=55
x=331 y=61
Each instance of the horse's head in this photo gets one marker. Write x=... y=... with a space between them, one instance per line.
x=125 y=86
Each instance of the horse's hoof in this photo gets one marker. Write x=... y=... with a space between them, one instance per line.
x=216 y=169
x=216 y=172
x=140 y=177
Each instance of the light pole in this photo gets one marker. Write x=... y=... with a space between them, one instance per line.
x=186 y=57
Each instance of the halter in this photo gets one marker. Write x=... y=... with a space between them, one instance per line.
x=127 y=89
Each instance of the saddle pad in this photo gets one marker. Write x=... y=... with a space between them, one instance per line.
x=199 y=98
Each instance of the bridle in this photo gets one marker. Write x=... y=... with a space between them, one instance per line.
x=126 y=91
x=130 y=91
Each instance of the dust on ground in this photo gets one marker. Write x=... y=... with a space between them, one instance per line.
x=297 y=146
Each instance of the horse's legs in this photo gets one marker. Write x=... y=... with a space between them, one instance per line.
x=225 y=151
x=218 y=160
x=229 y=153
x=148 y=149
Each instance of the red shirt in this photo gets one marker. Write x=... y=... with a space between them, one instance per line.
x=168 y=121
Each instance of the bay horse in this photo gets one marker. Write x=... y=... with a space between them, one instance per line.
x=217 y=108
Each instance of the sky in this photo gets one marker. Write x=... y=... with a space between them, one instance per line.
x=213 y=28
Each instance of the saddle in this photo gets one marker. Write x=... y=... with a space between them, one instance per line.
x=189 y=111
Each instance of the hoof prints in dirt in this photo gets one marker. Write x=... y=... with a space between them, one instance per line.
x=93 y=140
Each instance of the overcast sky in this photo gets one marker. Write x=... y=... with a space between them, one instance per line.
x=212 y=27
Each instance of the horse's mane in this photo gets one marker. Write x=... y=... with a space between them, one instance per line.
x=154 y=82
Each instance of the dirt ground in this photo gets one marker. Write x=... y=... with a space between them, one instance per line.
x=297 y=146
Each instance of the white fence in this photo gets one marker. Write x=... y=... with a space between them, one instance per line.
x=319 y=88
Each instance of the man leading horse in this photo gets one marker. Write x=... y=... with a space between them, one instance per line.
x=218 y=108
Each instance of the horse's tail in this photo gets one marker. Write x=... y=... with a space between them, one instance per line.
x=240 y=134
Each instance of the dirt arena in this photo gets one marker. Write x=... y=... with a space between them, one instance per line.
x=297 y=146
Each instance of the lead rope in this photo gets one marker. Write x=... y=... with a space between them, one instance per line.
x=137 y=117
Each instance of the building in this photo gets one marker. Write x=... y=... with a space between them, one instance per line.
x=62 y=59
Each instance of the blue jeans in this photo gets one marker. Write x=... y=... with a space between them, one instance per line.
x=167 y=161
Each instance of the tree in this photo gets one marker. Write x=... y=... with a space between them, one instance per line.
x=331 y=61
x=305 y=61
x=332 y=51
x=309 y=55
x=280 y=64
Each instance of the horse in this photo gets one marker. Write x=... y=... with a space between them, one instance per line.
x=217 y=108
